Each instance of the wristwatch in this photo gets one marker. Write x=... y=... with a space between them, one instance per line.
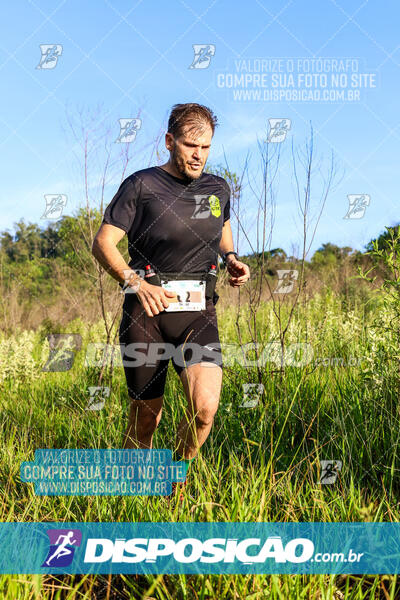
x=133 y=287
x=227 y=254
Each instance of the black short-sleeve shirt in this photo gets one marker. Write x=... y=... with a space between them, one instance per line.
x=173 y=224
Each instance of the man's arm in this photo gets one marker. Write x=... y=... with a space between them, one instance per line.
x=153 y=298
x=239 y=272
x=105 y=250
x=226 y=243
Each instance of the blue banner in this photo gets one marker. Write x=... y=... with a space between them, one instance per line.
x=195 y=548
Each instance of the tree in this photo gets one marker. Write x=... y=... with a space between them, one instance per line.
x=381 y=243
x=330 y=254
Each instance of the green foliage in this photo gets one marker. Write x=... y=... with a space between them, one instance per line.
x=385 y=253
x=380 y=243
x=63 y=239
x=272 y=258
x=330 y=255
x=34 y=261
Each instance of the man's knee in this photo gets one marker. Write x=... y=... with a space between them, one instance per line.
x=204 y=416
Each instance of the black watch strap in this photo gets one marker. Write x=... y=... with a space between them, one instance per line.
x=227 y=254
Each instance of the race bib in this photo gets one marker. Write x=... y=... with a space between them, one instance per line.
x=190 y=295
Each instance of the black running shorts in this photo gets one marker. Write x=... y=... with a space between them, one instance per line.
x=149 y=343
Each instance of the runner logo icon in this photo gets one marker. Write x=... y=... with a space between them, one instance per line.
x=62 y=546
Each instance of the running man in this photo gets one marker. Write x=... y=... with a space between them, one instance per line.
x=177 y=219
x=62 y=550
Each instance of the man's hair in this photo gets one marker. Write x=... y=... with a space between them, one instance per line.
x=190 y=114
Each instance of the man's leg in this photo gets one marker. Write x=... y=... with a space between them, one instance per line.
x=202 y=385
x=144 y=416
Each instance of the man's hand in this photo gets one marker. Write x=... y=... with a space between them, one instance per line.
x=239 y=271
x=153 y=298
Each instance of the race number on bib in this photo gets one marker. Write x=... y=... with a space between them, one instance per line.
x=190 y=295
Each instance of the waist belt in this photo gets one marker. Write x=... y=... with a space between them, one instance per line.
x=210 y=280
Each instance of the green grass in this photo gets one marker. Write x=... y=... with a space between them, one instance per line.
x=259 y=464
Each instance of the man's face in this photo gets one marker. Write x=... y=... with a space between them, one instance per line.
x=189 y=152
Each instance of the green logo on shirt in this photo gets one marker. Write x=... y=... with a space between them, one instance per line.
x=214 y=206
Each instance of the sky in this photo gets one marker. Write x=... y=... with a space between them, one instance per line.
x=269 y=70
